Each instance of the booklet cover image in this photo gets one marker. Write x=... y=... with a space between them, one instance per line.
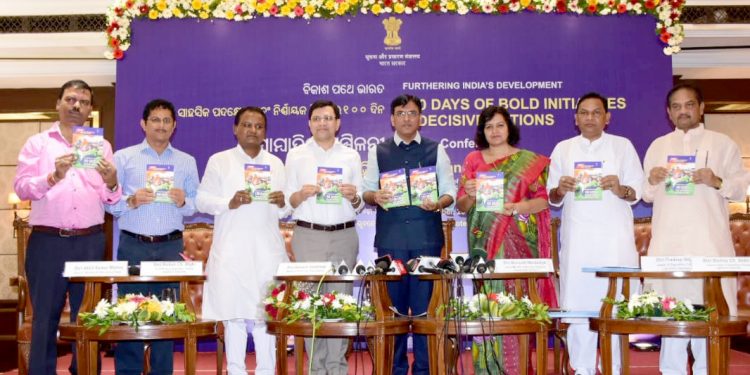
x=395 y=183
x=490 y=191
x=160 y=179
x=258 y=181
x=680 y=170
x=88 y=146
x=588 y=175
x=329 y=181
x=423 y=183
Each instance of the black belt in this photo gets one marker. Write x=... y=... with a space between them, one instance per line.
x=68 y=232
x=176 y=235
x=327 y=228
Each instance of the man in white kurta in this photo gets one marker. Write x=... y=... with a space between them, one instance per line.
x=594 y=233
x=326 y=226
x=247 y=244
x=696 y=224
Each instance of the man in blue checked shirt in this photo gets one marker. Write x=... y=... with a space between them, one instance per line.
x=160 y=183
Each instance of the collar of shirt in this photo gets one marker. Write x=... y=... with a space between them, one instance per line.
x=54 y=132
x=692 y=133
x=398 y=140
x=317 y=149
x=245 y=157
x=146 y=148
x=587 y=145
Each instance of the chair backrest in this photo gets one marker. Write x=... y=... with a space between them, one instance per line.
x=22 y=231
x=642 y=232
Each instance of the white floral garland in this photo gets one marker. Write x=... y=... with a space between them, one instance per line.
x=122 y=12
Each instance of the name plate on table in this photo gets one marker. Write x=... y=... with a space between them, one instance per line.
x=731 y=264
x=523 y=265
x=305 y=269
x=105 y=269
x=172 y=268
x=667 y=264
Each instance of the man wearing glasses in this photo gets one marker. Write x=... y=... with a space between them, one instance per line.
x=324 y=178
x=67 y=212
x=160 y=183
x=596 y=177
x=410 y=231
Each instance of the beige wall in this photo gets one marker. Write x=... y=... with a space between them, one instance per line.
x=12 y=137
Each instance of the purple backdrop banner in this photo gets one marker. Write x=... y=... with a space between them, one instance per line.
x=536 y=65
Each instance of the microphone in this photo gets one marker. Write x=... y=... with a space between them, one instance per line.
x=398 y=267
x=470 y=264
x=481 y=266
x=437 y=271
x=447 y=265
x=412 y=265
x=359 y=268
x=343 y=268
x=490 y=266
x=382 y=265
x=460 y=259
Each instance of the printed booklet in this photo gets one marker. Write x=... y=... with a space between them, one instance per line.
x=329 y=181
x=588 y=175
x=160 y=179
x=423 y=183
x=680 y=170
x=395 y=183
x=88 y=146
x=490 y=191
x=258 y=181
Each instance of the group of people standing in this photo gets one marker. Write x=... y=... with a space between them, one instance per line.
x=68 y=206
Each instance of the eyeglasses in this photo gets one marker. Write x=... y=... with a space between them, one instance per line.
x=322 y=118
x=165 y=121
x=405 y=114
x=71 y=100
x=596 y=113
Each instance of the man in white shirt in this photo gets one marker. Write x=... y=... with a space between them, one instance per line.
x=692 y=222
x=247 y=244
x=324 y=180
x=597 y=223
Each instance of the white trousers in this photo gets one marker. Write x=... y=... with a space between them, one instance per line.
x=582 y=344
x=235 y=337
x=673 y=355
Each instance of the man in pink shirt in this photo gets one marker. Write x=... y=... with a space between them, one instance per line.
x=67 y=212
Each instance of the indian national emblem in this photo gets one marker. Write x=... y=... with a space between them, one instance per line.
x=392 y=25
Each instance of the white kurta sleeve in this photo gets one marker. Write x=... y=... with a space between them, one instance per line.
x=632 y=172
x=555 y=172
x=210 y=198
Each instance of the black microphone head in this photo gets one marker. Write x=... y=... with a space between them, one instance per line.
x=459 y=260
x=447 y=265
x=383 y=263
x=481 y=267
x=360 y=270
x=412 y=265
x=343 y=269
x=490 y=265
x=471 y=264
